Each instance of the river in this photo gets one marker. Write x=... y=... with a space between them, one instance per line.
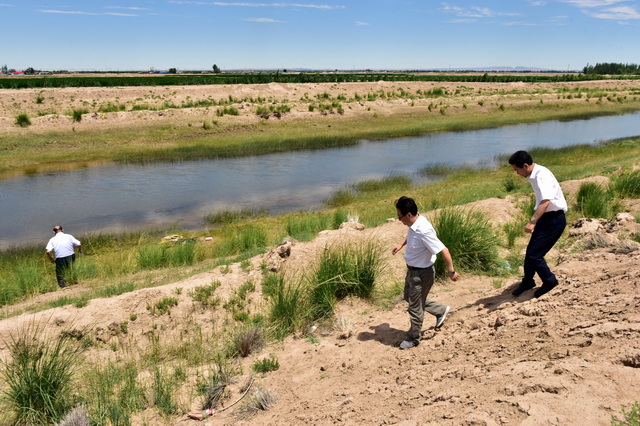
x=127 y=197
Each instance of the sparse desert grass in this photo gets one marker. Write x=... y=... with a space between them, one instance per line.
x=266 y=365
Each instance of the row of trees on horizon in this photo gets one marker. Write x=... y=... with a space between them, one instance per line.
x=605 y=68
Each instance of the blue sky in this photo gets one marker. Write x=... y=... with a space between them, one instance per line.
x=322 y=34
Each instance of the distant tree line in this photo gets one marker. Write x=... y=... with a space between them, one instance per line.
x=612 y=68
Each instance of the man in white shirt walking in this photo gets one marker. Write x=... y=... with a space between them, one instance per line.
x=63 y=246
x=546 y=224
x=423 y=246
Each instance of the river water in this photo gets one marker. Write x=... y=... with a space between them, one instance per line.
x=127 y=197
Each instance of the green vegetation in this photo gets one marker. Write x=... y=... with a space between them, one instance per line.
x=469 y=238
x=262 y=78
x=173 y=142
x=23 y=120
x=629 y=418
x=595 y=201
x=38 y=377
x=155 y=376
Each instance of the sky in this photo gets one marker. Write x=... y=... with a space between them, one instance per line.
x=119 y=35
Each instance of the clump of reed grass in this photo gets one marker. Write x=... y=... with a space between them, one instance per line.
x=469 y=238
x=266 y=365
x=395 y=182
x=38 y=376
x=114 y=392
x=436 y=170
x=627 y=185
x=509 y=184
x=242 y=240
x=344 y=271
x=261 y=400
x=228 y=216
x=247 y=339
x=212 y=388
x=595 y=201
x=342 y=197
x=287 y=307
x=162 y=392
x=23 y=120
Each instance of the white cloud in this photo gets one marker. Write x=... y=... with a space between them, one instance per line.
x=245 y=4
x=621 y=13
x=6 y=5
x=362 y=23
x=125 y=8
x=80 y=12
x=68 y=12
x=267 y=20
x=537 y=3
x=474 y=12
x=593 y=3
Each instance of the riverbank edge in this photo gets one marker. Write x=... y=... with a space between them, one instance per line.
x=464 y=183
x=174 y=144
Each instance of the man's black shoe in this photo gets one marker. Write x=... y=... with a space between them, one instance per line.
x=522 y=288
x=545 y=288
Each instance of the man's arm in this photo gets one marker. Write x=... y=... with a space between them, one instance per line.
x=399 y=246
x=51 y=259
x=448 y=261
x=542 y=208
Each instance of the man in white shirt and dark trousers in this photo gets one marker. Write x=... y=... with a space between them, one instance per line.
x=423 y=246
x=546 y=224
x=63 y=246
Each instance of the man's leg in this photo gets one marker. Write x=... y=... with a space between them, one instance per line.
x=61 y=266
x=545 y=235
x=415 y=293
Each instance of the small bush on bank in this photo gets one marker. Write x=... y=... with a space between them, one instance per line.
x=344 y=271
x=628 y=185
x=594 y=201
x=23 y=120
x=469 y=238
x=38 y=376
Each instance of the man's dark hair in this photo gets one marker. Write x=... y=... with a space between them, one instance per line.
x=520 y=158
x=406 y=205
x=57 y=228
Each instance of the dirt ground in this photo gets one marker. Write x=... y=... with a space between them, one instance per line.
x=50 y=109
x=569 y=357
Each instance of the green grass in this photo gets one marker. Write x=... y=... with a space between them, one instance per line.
x=23 y=120
x=38 y=377
x=470 y=239
x=181 y=143
x=344 y=271
x=627 y=185
x=266 y=365
x=595 y=201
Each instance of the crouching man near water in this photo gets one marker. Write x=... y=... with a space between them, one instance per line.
x=63 y=246
x=546 y=224
x=423 y=246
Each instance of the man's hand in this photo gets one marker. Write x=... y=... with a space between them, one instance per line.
x=396 y=249
x=529 y=227
x=454 y=276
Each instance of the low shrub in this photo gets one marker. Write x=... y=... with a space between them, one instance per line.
x=23 y=120
x=594 y=201
x=469 y=238
x=38 y=376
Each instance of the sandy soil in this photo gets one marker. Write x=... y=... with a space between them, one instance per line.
x=570 y=357
x=49 y=109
